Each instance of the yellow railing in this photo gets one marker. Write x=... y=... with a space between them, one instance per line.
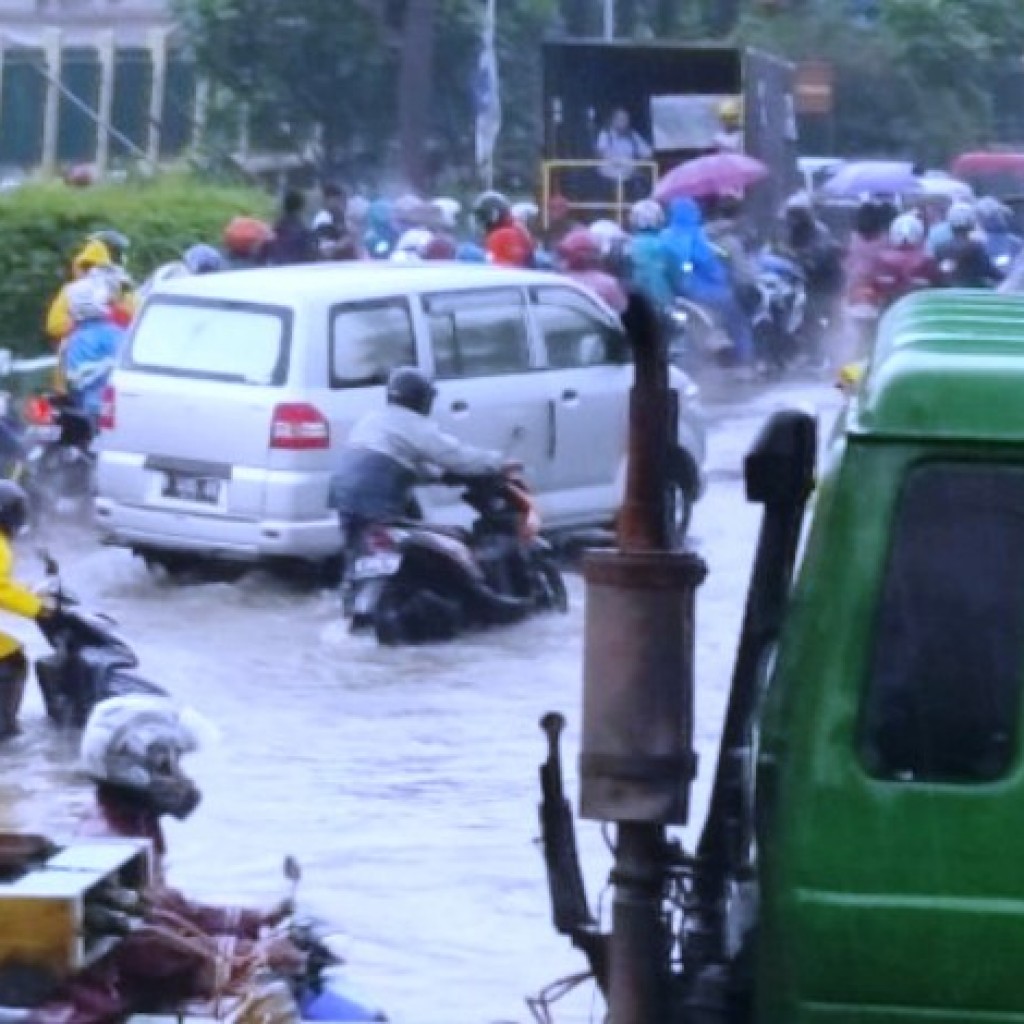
x=617 y=206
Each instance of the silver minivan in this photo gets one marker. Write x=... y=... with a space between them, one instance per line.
x=235 y=393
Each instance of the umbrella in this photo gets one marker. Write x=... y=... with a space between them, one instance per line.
x=872 y=177
x=710 y=175
x=946 y=188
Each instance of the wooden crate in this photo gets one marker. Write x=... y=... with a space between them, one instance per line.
x=42 y=914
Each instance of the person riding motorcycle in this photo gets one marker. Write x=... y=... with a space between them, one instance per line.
x=246 y=242
x=391 y=450
x=963 y=261
x=179 y=951
x=903 y=265
x=195 y=261
x=507 y=242
x=93 y=260
x=18 y=600
x=652 y=268
x=1001 y=242
x=90 y=350
x=580 y=258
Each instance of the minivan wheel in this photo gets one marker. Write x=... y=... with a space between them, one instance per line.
x=190 y=569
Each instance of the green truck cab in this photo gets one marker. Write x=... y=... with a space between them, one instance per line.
x=862 y=856
x=890 y=778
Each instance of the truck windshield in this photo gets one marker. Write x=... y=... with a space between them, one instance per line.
x=212 y=339
x=942 y=699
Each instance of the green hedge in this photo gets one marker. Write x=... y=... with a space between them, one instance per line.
x=43 y=226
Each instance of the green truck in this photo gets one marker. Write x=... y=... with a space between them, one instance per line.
x=863 y=856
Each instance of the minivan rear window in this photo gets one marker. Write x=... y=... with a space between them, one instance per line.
x=211 y=339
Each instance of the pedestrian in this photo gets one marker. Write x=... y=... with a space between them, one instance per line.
x=621 y=147
x=294 y=241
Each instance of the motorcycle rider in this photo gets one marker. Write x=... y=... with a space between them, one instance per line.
x=89 y=352
x=903 y=265
x=811 y=245
x=580 y=258
x=18 y=600
x=391 y=450
x=180 y=951
x=704 y=277
x=1001 y=243
x=246 y=241
x=507 y=242
x=963 y=261
x=652 y=269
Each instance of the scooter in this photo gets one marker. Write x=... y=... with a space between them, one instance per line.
x=59 y=462
x=412 y=582
x=89 y=662
x=778 y=316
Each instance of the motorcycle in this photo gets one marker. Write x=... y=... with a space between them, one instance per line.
x=89 y=661
x=412 y=582
x=779 y=311
x=59 y=462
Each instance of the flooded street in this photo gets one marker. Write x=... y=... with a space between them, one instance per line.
x=404 y=780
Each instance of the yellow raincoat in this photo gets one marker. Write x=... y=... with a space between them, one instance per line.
x=58 y=319
x=13 y=598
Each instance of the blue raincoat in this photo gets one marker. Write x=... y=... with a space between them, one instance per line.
x=654 y=269
x=381 y=234
x=90 y=351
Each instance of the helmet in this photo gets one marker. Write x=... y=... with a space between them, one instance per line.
x=412 y=245
x=448 y=211
x=441 y=247
x=89 y=298
x=203 y=259
x=579 y=250
x=510 y=246
x=116 y=243
x=491 y=210
x=993 y=215
x=411 y=389
x=730 y=111
x=137 y=742
x=411 y=211
x=13 y=508
x=962 y=217
x=525 y=212
x=244 y=236
x=468 y=252
x=647 y=215
x=906 y=232
x=609 y=235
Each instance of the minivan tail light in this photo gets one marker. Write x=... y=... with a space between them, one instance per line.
x=299 y=426
x=108 y=408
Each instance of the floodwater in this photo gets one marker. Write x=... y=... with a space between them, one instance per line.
x=405 y=781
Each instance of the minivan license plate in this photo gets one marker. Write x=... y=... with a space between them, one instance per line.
x=202 y=489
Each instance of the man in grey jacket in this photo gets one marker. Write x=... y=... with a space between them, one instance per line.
x=392 y=450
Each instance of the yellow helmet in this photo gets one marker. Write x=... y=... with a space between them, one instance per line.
x=730 y=111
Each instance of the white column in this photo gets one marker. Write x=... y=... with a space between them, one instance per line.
x=158 y=54
x=51 y=109
x=106 y=50
x=199 y=115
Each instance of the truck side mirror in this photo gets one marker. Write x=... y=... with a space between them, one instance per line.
x=779 y=468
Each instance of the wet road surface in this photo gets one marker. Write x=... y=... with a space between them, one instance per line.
x=404 y=780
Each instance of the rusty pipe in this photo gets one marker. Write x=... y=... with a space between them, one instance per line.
x=643 y=523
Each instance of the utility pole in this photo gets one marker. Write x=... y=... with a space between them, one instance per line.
x=609 y=20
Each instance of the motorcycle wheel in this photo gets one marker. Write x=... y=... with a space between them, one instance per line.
x=406 y=615
x=552 y=594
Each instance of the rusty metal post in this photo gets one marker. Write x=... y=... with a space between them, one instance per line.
x=638 y=762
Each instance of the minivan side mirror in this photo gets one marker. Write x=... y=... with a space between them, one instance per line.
x=779 y=468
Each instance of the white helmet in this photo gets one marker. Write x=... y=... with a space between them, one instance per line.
x=448 y=211
x=906 y=231
x=89 y=298
x=137 y=742
x=962 y=217
x=647 y=215
x=609 y=235
x=412 y=245
x=525 y=212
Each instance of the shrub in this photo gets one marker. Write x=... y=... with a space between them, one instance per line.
x=43 y=226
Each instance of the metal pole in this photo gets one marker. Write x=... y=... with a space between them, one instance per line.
x=51 y=107
x=609 y=19
x=108 y=58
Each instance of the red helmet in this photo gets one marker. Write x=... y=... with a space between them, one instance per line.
x=579 y=250
x=510 y=246
x=244 y=236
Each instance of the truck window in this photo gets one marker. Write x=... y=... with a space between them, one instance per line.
x=368 y=340
x=478 y=334
x=943 y=694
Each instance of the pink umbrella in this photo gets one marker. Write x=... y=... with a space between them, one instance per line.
x=710 y=175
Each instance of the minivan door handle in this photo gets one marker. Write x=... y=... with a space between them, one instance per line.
x=460 y=406
x=570 y=395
